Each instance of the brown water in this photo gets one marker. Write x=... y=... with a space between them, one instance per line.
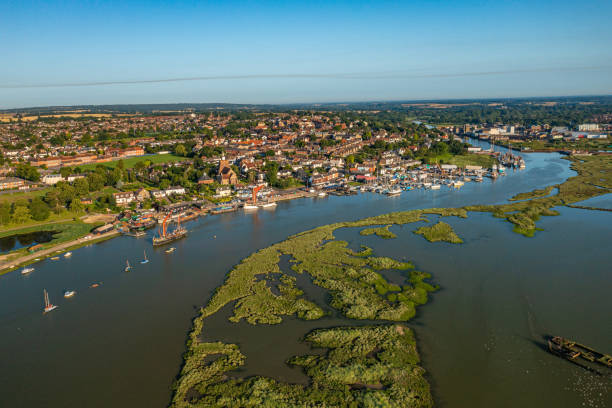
x=120 y=345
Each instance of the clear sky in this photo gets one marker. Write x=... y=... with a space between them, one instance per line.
x=306 y=51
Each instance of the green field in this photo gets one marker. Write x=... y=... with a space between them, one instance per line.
x=23 y=195
x=130 y=162
x=463 y=160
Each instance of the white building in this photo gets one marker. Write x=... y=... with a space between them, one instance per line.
x=175 y=190
x=588 y=127
x=51 y=179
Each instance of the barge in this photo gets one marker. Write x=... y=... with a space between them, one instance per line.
x=166 y=237
x=572 y=351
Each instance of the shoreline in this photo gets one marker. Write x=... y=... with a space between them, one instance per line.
x=55 y=250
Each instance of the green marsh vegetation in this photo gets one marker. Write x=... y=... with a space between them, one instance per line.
x=365 y=366
x=382 y=232
x=369 y=366
x=439 y=232
x=533 y=194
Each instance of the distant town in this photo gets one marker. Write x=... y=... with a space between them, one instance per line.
x=75 y=162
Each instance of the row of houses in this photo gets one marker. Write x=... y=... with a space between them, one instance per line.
x=126 y=197
x=87 y=158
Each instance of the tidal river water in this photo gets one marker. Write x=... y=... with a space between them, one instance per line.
x=480 y=337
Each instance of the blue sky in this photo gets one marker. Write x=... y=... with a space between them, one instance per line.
x=310 y=51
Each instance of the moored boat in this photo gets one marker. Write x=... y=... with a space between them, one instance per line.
x=167 y=237
x=572 y=350
x=25 y=271
x=67 y=254
x=48 y=305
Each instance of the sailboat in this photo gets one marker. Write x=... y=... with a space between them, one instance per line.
x=127 y=265
x=145 y=260
x=48 y=306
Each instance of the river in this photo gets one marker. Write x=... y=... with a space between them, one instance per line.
x=120 y=344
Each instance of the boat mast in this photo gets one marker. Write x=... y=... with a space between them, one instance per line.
x=46 y=298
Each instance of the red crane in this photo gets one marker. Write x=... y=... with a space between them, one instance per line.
x=255 y=191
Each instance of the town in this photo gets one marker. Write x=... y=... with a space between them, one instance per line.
x=189 y=163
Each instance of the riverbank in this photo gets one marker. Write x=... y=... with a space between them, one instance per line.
x=20 y=261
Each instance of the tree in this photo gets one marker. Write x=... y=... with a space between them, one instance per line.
x=66 y=193
x=65 y=172
x=95 y=181
x=39 y=209
x=76 y=206
x=271 y=169
x=120 y=164
x=81 y=186
x=53 y=201
x=164 y=184
x=21 y=215
x=25 y=171
x=5 y=213
x=180 y=150
x=113 y=176
x=139 y=167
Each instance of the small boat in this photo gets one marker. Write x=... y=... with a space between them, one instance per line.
x=268 y=205
x=394 y=192
x=67 y=254
x=69 y=293
x=170 y=250
x=25 y=271
x=322 y=194
x=435 y=187
x=250 y=207
x=145 y=260
x=55 y=258
x=127 y=266
x=48 y=305
x=94 y=285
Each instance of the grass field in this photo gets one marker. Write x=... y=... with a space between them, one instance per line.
x=463 y=160
x=131 y=162
x=23 y=195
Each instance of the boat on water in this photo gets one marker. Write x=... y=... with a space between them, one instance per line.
x=572 y=351
x=222 y=209
x=170 y=250
x=69 y=293
x=55 y=258
x=127 y=266
x=25 y=271
x=94 y=285
x=145 y=260
x=268 y=205
x=322 y=194
x=392 y=192
x=250 y=207
x=166 y=237
x=48 y=305
x=67 y=254
x=435 y=187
